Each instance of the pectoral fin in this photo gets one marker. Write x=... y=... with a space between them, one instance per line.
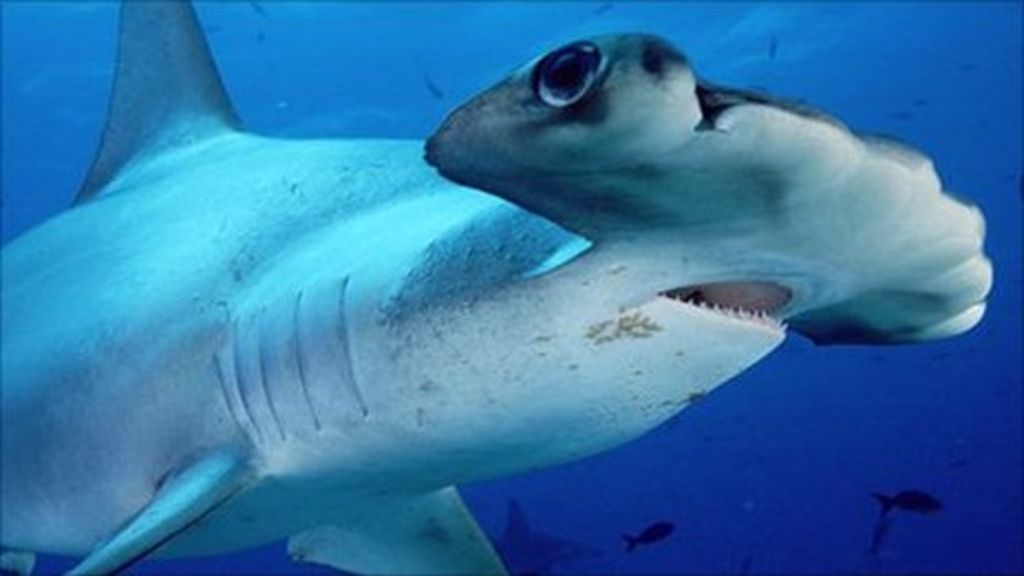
x=429 y=534
x=180 y=502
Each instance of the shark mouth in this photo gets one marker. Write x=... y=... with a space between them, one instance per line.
x=751 y=301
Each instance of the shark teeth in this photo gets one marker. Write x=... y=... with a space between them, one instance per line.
x=755 y=316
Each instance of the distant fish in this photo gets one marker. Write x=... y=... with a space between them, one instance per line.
x=530 y=552
x=773 y=48
x=1020 y=185
x=433 y=88
x=910 y=501
x=920 y=103
x=260 y=37
x=653 y=533
x=603 y=8
x=257 y=8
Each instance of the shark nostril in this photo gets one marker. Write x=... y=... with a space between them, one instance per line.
x=653 y=60
x=657 y=57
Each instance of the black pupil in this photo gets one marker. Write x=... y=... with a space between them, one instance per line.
x=567 y=73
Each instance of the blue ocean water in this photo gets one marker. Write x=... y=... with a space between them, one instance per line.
x=772 y=473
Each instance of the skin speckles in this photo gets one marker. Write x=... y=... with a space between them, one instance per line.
x=241 y=265
x=631 y=325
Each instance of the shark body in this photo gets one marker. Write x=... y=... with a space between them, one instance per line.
x=232 y=339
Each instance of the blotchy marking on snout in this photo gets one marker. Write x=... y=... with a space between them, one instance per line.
x=631 y=325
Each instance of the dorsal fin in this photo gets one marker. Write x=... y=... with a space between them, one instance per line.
x=166 y=93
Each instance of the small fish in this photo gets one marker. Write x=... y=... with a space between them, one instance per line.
x=433 y=88
x=257 y=8
x=920 y=102
x=910 y=501
x=653 y=533
x=260 y=37
x=603 y=8
x=1020 y=184
x=773 y=48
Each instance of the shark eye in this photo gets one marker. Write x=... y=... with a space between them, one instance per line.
x=567 y=75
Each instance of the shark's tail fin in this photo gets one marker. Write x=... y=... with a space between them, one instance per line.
x=886 y=502
x=631 y=542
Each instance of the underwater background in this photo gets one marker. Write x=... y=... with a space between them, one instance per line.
x=773 y=472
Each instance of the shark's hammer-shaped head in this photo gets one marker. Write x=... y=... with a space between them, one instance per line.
x=724 y=198
x=573 y=122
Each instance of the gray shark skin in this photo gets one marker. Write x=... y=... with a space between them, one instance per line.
x=231 y=339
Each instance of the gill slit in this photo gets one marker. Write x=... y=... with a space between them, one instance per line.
x=262 y=352
x=218 y=364
x=348 y=377
x=241 y=385
x=300 y=360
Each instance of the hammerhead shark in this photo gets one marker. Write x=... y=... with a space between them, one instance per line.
x=230 y=338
